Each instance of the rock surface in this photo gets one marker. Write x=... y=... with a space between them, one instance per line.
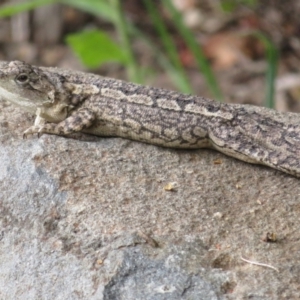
x=91 y=219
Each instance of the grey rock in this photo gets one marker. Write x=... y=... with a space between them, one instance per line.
x=89 y=218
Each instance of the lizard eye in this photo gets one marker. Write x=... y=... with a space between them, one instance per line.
x=22 y=78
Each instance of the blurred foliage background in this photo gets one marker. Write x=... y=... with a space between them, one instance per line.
x=241 y=51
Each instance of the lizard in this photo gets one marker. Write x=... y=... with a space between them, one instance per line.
x=66 y=102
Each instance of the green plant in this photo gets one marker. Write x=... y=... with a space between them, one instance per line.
x=272 y=56
x=84 y=43
x=195 y=48
x=95 y=47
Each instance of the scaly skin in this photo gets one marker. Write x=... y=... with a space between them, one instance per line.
x=68 y=101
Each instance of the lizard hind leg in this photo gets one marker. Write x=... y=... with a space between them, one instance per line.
x=76 y=122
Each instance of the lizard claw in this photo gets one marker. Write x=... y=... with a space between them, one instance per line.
x=39 y=134
x=32 y=130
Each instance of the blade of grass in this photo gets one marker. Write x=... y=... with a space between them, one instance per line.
x=100 y=8
x=13 y=9
x=272 y=60
x=231 y=5
x=168 y=43
x=121 y=27
x=195 y=48
x=162 y=59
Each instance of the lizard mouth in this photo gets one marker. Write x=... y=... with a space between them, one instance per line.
x=2 y=74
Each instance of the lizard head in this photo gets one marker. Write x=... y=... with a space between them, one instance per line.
x=25 y=85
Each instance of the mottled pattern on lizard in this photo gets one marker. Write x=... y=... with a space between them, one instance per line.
x=68 y=101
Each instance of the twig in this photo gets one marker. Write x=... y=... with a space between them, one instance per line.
x=259 y=264
x=151 y=241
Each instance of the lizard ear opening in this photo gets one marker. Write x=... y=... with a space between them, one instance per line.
x=51 y=96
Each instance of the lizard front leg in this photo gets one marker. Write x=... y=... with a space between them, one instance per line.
x=78 y=120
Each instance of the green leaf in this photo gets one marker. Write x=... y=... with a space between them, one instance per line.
x=13 y=9
x=95 y=47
